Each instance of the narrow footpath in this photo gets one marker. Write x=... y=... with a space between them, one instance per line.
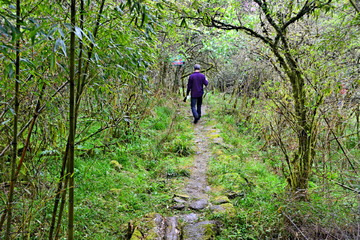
x=197 y=188
x=192 y=204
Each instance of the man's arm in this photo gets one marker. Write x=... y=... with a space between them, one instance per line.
x=205 y=82
x=188 y=88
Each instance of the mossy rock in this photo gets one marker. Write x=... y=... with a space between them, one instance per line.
x=136 y=235
x=217 y=189
x=220 y=200
x=182 y=196
x=205 y=230
x=152 y=226
x=226 y=208
x=234 y=194
x=219 y=152
x=230 y=209
x=116 y=165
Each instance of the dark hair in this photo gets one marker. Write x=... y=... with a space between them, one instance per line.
x=197 y=66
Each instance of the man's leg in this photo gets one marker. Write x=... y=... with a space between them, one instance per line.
x=193 y=109
x=199 y=102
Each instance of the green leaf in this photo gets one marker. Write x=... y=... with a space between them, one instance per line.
x=91 y=37
x=61 y=43
x=28 y=62
x=78 y=32
x=61 y=32
x=12 y=111
x=183 y=23
x=11 y=70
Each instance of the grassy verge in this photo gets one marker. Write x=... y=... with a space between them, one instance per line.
x=257 y=207
x=266 y=210
x=132 y=178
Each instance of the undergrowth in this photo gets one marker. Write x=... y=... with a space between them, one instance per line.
x=131 y=174
x=266 y=209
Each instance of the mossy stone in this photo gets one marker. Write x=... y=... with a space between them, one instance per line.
x=152 y=225
x=229 y=209
x=183 y=196
x=220 y=200
x=205 y=230
x=219 y=152
x=136 y=235
x=217 y=189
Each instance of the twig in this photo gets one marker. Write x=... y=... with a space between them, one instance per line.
x=28 y=123
x=294 y=225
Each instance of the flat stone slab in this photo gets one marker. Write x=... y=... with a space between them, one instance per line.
x=172 y=231
x=199 y=204
x=178 y=207
x=192 y=217
x=182 y=196
x=201 y=231
x=220 y=200
x=207 y=189
x=179 y=200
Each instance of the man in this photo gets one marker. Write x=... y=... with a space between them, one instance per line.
x=195 y=85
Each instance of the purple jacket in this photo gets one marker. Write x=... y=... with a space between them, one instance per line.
x=195 y=84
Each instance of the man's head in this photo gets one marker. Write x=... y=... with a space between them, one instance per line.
x=197 y=67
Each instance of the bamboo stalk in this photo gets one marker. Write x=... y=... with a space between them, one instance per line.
x=63 y=200
x=70 y=176
x=62 y=173
x=14 y=154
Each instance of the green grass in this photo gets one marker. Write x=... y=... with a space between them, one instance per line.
x=155 y=160
x=257 y=216
x=266 y=206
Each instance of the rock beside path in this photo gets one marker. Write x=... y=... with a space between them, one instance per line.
x=205 y=230
x=179 y=200
x=199 y=204
x=178 y=207
x=182 y=196
x=226 y=208
x=192 y=217
x=232 y=195
x=172 y=228
x=220 y=200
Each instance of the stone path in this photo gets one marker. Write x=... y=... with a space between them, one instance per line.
x=197 y=188
x=194 y=197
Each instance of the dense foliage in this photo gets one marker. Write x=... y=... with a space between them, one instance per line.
x=88 y=87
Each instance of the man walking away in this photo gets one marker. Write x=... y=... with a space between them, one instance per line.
x=195 y=85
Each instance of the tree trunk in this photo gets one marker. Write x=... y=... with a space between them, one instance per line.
x=306 y=135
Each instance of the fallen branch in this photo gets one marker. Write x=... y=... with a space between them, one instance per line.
x=294 y=225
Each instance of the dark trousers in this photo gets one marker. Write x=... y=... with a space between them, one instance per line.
x=196 y=101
